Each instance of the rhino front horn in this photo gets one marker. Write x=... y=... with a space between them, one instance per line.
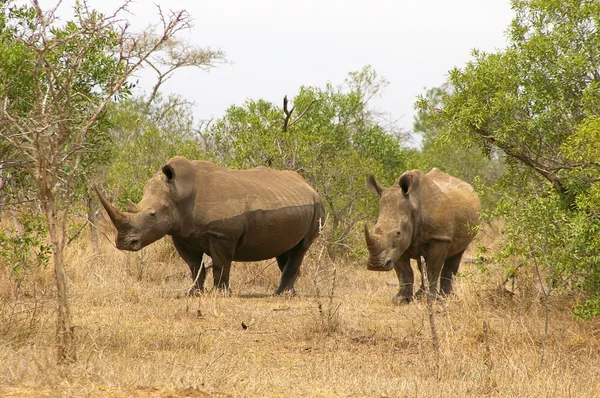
x=369 y=238
x=118 y=218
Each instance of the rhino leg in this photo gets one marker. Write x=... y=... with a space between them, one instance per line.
x=291 y=268
x=282 y=261
x=434 y=257
x=221 y=252
x=406 y=279
x=198 y=276
x=448 y=271
x=194 y=261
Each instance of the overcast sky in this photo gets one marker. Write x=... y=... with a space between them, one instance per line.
x=277 y=46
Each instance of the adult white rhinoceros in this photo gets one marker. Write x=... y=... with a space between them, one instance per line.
x=241 y=215
x=433 y=215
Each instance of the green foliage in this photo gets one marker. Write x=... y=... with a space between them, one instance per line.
x=25 y=249
x=16 y=72
x=144 y=137
x=16 y=83
x=334 y=141
x=583 y=150
x=542 y=232
x=588 y=309
x=54 y=81
x=536 y=103
x=528 y=99
x=457 y=156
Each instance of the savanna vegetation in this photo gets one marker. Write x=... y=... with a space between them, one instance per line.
x=80 y=318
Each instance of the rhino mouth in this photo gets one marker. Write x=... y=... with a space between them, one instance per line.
x=386 y=266
x=132 y=245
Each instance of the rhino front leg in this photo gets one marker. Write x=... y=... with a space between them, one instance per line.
x=435 y=256
x=406 y=280
x=221 y=252
x=194 y=261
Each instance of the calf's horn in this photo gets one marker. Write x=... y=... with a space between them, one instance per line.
x=118 y=218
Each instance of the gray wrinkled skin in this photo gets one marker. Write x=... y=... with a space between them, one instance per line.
x=229 y=215
x=433 y=215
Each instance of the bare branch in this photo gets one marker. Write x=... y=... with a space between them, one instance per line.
x=525 y=159
x=303 y=113
x=288 y=114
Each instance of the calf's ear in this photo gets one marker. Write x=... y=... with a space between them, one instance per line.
x=374 y=185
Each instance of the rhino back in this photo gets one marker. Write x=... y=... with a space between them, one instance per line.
x=223 y=193
x=450 y=207
x=265 y=212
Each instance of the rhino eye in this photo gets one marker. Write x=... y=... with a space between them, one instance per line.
x=152 y=213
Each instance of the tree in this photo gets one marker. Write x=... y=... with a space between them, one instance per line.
x=458 y=157
x=144 y=136
x=175 y=54
x=135 y=123
x=528 y=99
x=537 y=102
x=334 y=142
x=52 y=108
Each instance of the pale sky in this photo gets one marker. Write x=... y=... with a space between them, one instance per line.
x=277 y=46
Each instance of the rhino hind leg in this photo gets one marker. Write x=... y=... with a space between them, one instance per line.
x=282 y=261
x=448 y=272
x=291 y=268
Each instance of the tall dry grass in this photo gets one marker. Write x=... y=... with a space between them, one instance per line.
x=138 y=334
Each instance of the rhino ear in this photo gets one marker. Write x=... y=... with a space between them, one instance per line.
x=374 y=185
x=406 y=183
x=168 y=171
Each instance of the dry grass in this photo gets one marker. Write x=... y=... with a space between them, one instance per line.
x=139 y=335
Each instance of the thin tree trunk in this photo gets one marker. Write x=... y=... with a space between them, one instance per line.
x=65 y=341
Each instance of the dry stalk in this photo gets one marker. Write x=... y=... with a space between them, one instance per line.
x=328 y=312
x=434 y=334
x=546 y=294
x=486 y=342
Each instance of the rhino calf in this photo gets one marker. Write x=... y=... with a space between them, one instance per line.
x=433 y=215
x=230 y=215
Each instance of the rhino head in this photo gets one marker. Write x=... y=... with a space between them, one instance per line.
x=149 y=220
x=393 y=233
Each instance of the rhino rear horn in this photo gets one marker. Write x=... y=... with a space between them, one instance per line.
x=119 y=219
x=132 y=207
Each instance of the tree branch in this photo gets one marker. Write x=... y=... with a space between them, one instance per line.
x=525 y=159
x=288 y=114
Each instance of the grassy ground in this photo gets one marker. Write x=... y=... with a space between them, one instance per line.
x=139 y=335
